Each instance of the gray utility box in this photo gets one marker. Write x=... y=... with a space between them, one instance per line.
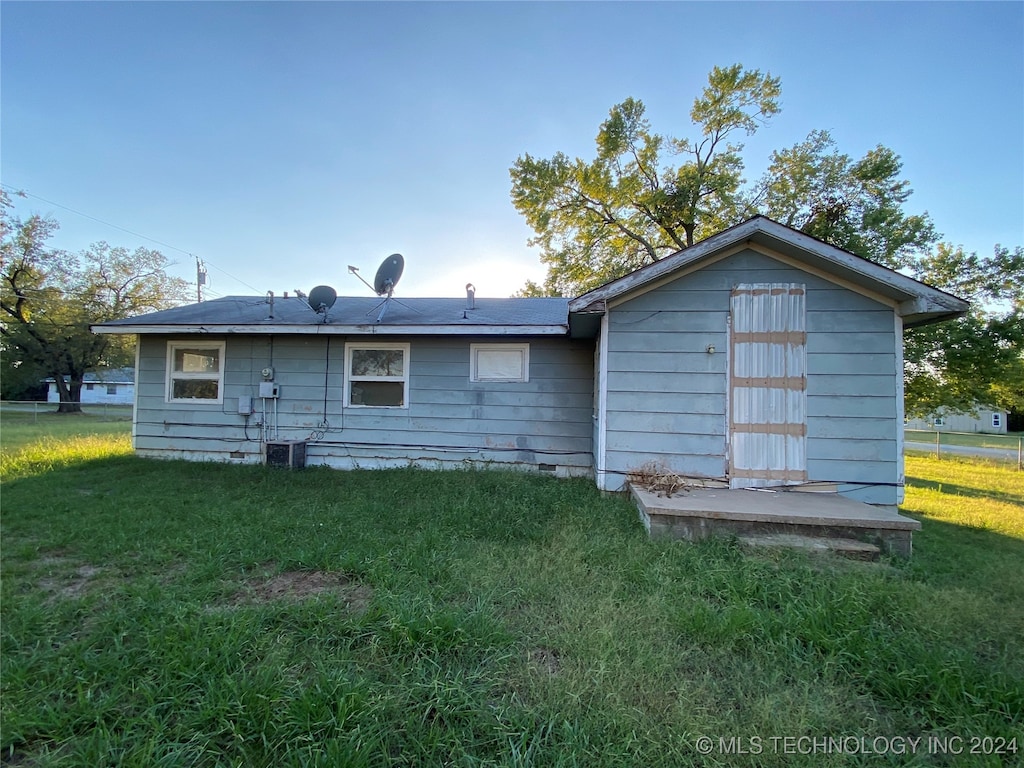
x=286 y=453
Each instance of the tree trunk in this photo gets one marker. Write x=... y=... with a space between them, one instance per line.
x=70 y=396
x=1015 y=421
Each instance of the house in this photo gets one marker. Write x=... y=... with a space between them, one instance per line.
x=985 y=419
x=106 y=386
x=757 y=357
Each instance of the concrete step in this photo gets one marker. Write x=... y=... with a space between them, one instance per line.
x=851 y=548
x=700 y=513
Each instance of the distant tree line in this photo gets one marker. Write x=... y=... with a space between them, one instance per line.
x=49 y=298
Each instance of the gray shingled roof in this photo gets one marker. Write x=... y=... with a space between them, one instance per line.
x=353 y=314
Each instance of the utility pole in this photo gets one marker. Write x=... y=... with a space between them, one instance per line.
x=200 y=279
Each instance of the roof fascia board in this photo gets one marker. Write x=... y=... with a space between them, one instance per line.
x=689 y=269
x=915 y=306
x=659 y=269
x=761 y=231
x=939 y=300
x=341 y=330
x=823 y=274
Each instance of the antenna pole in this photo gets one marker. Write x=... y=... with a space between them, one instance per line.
x=355 y=271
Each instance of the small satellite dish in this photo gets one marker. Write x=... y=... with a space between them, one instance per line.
x=321 y=299
x=388 y=275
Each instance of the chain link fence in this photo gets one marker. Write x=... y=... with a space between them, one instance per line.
x=1008 y=447
x=40 y=409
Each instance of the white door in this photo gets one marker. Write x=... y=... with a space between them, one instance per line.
x=767 y=385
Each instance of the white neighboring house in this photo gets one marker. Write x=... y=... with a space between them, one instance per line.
x=110 y=386
x=989 y=420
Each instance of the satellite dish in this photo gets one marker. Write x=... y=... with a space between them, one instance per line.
x=322 y=298
x=388 y=275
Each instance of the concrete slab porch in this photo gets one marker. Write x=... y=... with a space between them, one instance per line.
x=697 y=513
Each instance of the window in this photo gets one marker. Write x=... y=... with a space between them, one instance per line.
x=377 y=375
x=195 y=371
x=111 y=389
x=499 y=362
x=939 y=421
x=88 y=387
x=997 y=420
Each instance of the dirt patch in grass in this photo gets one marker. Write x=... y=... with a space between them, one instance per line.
x=15 y=757
x=303 y=585
x=72 y=585
x=65 y=579
x=546 y=660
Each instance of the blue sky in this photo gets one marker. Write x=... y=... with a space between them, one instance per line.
x=280 y=142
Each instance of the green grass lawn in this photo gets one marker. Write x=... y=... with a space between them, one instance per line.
x=22 y=428
x=972 y=440
x=166 y=613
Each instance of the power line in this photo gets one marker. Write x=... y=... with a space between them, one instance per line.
x=22 y=192
x=93 y=218
x=208 y=264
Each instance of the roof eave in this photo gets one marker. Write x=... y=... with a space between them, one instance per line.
x=912 y=296
x=321 y=329
x=654 y=272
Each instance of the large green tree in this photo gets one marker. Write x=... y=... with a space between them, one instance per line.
x=49 y=298
x=597 y=220
x=855 y=205
x=646 y=195
x=976 y=360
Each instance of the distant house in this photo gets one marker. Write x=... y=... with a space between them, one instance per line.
x=111 y=386
x=987 y=419
x=757 y=357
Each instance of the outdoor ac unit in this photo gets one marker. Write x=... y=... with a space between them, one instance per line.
x=286 y=453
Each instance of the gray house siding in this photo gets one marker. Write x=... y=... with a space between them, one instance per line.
x=805 y=387
x=667 y=396
x=449 y=419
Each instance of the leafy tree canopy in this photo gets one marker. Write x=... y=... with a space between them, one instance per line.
x=645 y=195
x=49 y=298
x=977 y=360
x=856 y=205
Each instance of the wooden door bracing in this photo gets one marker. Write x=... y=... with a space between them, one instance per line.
x=767 y=385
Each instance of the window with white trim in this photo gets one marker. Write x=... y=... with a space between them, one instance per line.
x=377 y=375
x=939 y=422
x=195 y=372
x=499 y=362
x=997 y=420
